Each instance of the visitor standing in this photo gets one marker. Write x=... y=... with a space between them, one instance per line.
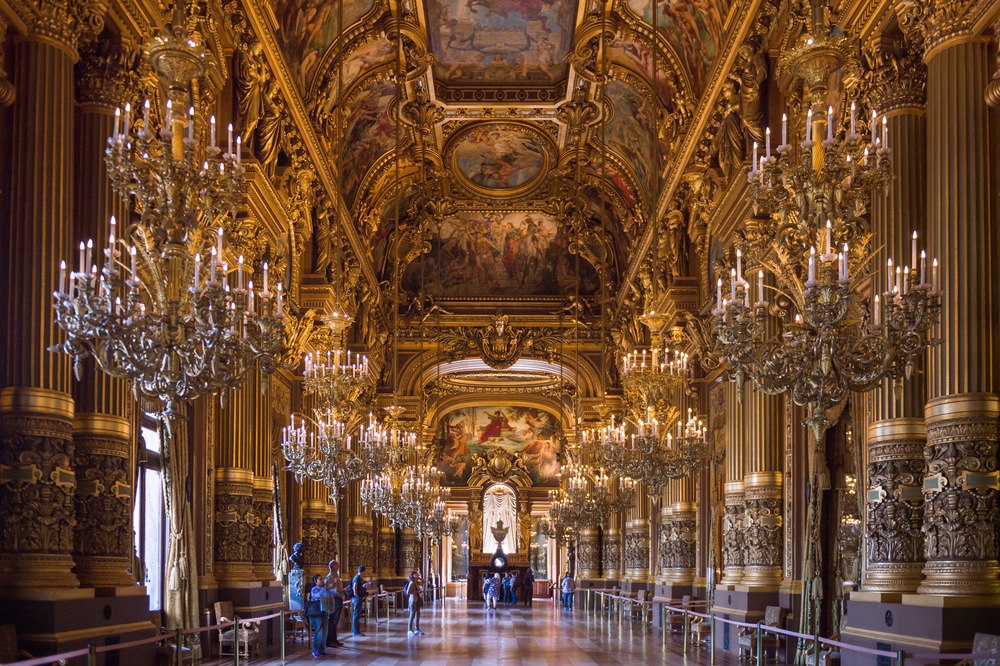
x=317 y=616
x=528 y=585
x=568 y=587
x=414 y=592
x=359 y=590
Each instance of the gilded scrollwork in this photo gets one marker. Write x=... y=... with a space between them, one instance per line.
x=636 y=548
x=762 y=539
x=234 y=530
x=895 y=506
x=733 y=551
x=103 y=499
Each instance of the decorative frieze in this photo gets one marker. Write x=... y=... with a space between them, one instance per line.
x=234 y=524
x=263 y=528
x=588 y=554
x=762 y=538
x=637 y=549
x=732 y=534
x=612 y=553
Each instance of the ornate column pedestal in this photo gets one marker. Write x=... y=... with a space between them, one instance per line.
x=732 y=535
x=360 y=549
x=762 y=539
x=314 y=537
x=895 y=506
x=37 y=487
x=611 y=553
x=962 y=510
x=263 y=529
x=588 y=555
x=234 y=527
x=409 y=551
x=637 y=550
x=102 y=538
x=386 y=552
x=678 y=568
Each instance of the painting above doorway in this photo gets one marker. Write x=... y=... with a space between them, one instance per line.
x=532 y=432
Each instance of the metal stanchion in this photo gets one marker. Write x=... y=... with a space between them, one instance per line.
x=92 y=655
x=178 y=647
x=815 y=649
x=687 y=630
x=712 y=647
x=236 y=636
x=760 y=646
x=281 y=624
x=900 y=658
x=663 y=624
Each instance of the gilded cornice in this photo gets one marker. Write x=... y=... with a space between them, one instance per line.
x=258 y=17
x=934 y=23
x=749 y=10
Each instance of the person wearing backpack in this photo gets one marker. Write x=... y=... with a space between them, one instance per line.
x=315 y=611
x=414 y=592
x=359 y=590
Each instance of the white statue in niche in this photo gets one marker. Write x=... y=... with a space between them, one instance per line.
x=499 y=505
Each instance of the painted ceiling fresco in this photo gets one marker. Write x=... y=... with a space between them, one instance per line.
x=692 y=27
x=500 y=41
x=630 y=132
x=495 y=255
x=500 y=158
x=532 y=432
x=307 y=28
x=371 y=133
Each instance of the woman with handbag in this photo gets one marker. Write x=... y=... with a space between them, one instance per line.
x=414 y=591
x=317 y=616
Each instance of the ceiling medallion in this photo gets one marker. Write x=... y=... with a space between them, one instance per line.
x=500 y=159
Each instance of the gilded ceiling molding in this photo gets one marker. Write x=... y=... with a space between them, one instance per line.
x=299 y=118
x=751 y=11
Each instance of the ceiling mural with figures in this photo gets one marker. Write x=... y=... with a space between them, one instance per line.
x=500 y=159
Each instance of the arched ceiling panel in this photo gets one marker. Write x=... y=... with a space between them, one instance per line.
x=370 y=134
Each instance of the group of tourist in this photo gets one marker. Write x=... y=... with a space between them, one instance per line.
x=326 y=604
x=506 y=589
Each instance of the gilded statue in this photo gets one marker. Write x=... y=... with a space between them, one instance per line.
x=475 y=528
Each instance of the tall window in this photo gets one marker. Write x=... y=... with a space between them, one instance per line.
x=148 y=518
x=539 y=555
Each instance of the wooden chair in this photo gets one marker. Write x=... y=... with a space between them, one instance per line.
x=248 y=637
x=700 y=629
x=297 y=625
x=983 y=644
x=774 y=616
x=638 y=606
x=674 y=620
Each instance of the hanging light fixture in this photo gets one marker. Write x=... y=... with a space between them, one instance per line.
x=166 y=309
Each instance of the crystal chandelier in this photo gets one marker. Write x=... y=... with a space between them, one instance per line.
x=809 y=235
x=336 y=379
x=324 y=453
x=166 y=310
x=651 y=377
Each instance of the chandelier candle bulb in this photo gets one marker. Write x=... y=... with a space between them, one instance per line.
x=888 y=283
x=864 y=157
x=211 y=130
x=239 y=272
x=145 y=117
x=211 y=277
x=874 y=124
x=117 y=134
x=732 y=284
x=784 y=130
x=62 y=277
x=913 y=250
x=923 y=268
x=885 y=133
x=191 y=123
x=760 y=287
x=853 y=118
x=739 y=264
x=264 y=293
x=812 y=267
x=229 y=151
x=250 y=296
x=218 y=244
x=906 y=280
x=809 y=124
x=753 y=165
x=898 y=284
x=239 y=150
x=767 y=143
x=829 y=123
x=934 y=276
x=829 y=238
x=280 y=313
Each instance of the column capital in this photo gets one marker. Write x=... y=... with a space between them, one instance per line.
x=933 y=23
x=66 y=23
x=107 y=74
x=894 y=74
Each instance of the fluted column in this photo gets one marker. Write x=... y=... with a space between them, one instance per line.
x=961 y=416
x=314 y=529
x=102 y=424
x=262 y=446
x=234 y=527
x=732 y=520
x=37 y=478
x=762 y=489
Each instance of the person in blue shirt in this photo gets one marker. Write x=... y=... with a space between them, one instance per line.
x=318 y=621
x=359 y=590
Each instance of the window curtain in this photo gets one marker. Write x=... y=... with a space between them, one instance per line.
x=499 y=503
x=180 y=602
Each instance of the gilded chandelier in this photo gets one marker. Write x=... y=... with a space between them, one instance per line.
x=167 y=310
x=808 y=234
x=651 y=378
x=323 y=452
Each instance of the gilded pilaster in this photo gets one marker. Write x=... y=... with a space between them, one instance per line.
x=732 y=534
x=637 y=548
x=894 y=542
x=961 y=514
x=588 y=556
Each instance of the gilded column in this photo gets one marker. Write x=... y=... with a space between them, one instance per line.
x=961 y=514
x=234 y=528
x=612 y=548
x=410 y=551
x=386 y=549
x=262 y=446
x=734 y=503
x=666 y=543
x=762 y=490
x=102 y=423
x=588 y=556
x=361 y=549
x=37 y=478
x=637 y=538
x=332 y=541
